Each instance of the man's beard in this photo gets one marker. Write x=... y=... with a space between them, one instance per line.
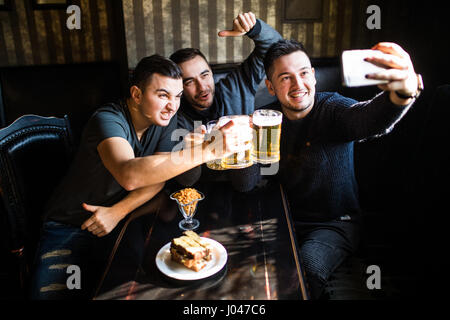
x=297 y=110
x=206 y=104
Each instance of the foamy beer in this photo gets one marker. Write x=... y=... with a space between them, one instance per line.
x=243 y=158
x=267 y=133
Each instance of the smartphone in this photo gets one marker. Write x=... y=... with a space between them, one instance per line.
x=354 y=68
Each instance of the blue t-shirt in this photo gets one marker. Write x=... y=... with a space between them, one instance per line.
x=88 y=180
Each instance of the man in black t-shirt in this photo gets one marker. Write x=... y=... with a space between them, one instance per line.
x=125 y=147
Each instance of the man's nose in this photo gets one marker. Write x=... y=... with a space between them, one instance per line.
x=173 y=104
x=298 y=82
x=201 y=85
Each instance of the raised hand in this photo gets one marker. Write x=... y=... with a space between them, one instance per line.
x=399 y=69
x=242 y=24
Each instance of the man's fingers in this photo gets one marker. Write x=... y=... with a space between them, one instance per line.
x=243 y=22
x=389 y=74
x=392 y=86
x=391 y=48
x=93 y=227
x=98 y=231
x=230 y=33
x=89 y=207
x=88 y=223
x=227 y=126
x=252 y=18
x=389 y=61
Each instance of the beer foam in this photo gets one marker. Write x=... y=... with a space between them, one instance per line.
x=266 y=121
x=237 y=120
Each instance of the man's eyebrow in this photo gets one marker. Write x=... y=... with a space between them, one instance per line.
x=302 y=68
x=166 y=91
x=191 y=78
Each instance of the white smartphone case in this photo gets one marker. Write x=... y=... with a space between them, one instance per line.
x=354 y=68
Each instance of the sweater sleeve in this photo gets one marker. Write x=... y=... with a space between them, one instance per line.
x=239 y=87
x=363 y=120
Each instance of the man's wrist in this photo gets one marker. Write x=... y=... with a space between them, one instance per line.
x=414 y=95
x=256 y=30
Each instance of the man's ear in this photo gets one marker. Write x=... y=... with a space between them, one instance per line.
x=136 y=94
x=270 y=87
x=314 y=74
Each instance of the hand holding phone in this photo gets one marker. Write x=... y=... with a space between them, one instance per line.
x=355 y=68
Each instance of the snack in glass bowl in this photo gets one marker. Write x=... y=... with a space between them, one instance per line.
x=187 y=200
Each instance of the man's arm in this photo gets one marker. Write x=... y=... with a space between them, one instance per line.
x=132 y=173
x=105 y=219
x=240 y=86
x=379 y=115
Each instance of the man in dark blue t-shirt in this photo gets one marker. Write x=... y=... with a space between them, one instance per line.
x=318 y=130
x=125 y=157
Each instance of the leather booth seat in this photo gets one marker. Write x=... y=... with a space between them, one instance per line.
x=35 y=153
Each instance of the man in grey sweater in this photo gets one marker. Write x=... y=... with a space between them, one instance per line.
x=203 y=100
x=318 y=130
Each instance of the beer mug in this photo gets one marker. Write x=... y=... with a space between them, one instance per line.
x=241 y=159
x=215 y=164
x=190 y=140
x=267 y=133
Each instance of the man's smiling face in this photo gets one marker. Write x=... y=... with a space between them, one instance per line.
x=293 y=81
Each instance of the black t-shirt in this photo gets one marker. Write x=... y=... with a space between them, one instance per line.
x=87 y=179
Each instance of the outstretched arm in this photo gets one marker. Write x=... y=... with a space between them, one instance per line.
x=133 y=172
x=379 y=115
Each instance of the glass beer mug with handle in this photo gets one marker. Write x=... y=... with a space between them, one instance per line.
x=241 y=159
x=267 y=134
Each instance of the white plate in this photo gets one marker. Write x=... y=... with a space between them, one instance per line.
x=177 y=271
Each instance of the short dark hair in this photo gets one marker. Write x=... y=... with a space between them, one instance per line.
x=156 y=63
x=186 y=54
x=278 y=49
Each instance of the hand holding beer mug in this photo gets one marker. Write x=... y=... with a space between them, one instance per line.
x=243 y=132
x=230 y=141
x=267 y=134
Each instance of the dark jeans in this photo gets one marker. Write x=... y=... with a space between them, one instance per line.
x=323 y=247
x=60 y=248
